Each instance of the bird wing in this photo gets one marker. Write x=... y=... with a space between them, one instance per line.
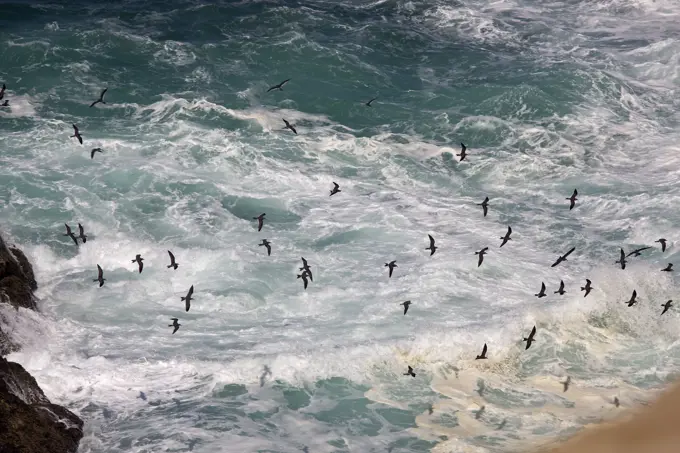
x=101 y=272
x=484 y=349
x=101 y=96
x=174 y=319
x=509 y=231
x=533 y=332
x=92 y=153
x=293 y=129
x=191 y=291
x=463 y=148
x=336 y=185
x=68 y=229
x=431 y=240
x=81 y=229
x=485 y=209
x=172 y=257
x=623 y=255
x=75 y=128
x=634 y=294
x=284 y=82
x=568 y=253
x=575 y=192
x=304 y=262
x=587 y=281
x=542 y=287
x=141 y=266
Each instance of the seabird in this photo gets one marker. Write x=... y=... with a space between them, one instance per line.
x=462 y=152
x=172 y=264
x=507 y=237
x=622 y=260
x=279 y=86
x=616 y=402
x=335 y=189
x=666 y=306
x=138 y=259
x=82 y=234
x=368 y=104
x=662 y=241
x=101 y=98
x=303 y=276
x=410 y=372
x=586 y=288
x=484 y=204
x=2 y=91
x=668 y=268
x=77 y=134
x=573 y=199
x=560 y=291
x=260 y=221
x=541 y=293
x=430 y=409
x=481 y=255
x=307 y=269
x=432 y=247
x=5 y=103
x=100 y=277
x=142 y=396
x=267 y=244
x=632 y=300
x=563 y=257
x=391 y=265
x=566 y=383
x=70 y=234
x=406 y=305
x=636 y=252
x=188 y=297
x=95 y=150
x=263 y=377
x=289 y=126
x=483 y=355
x=531 y=338
x=175 y=324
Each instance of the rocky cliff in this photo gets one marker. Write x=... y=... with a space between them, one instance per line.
x=29 y=423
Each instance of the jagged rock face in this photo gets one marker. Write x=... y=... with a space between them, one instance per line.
x=17 y=280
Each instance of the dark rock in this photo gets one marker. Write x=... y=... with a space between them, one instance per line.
x=17 y=280
x=25 y=267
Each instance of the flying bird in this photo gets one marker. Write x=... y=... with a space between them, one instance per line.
x=279 y=86
x=81 y=233
x=481 y=255
x=306 y=267
x=70 y=234
x=406 y=305
x=260 y=221
x=662 y=241
x=622 y=260
x=483 y=354
x=175 y=324
x=563 y=257
x=616 y=402
x=531 y=338
x=636 y=252
x=101 y=98
x=668 y=268
x=100 y=276
x=173 y=263
x=507 y=237
x=267 y=244
x=566 y=383
x=484 y=204
x=586 y=288
x=335 y=189
x=541 y=293
x=368 y=104
x=187 y=298
x=632 y=300
x=6 y=103
x=667 y=306
x=432 y=247
x=95 y=150
x=391 y=265
x=303 y=276
x=289 y=126
x=77 y=134
x=410 y=372
x=138 y=259
x=560 y=291
x=573 y=199
x=462 y=154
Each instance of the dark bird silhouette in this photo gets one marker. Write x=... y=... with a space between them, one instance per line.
x=560 y=291
x=432 y=247
x=267 y=244
x=173 y=263
x=307 y=268
x=622 y=260
x=263 y=377
x=662 y=241
x=260 y=221
x=541 y=293
x=563 y=257
x=77 y=134
x=95 y=150
x=507 y=237
x=101 y=98
x=616 y=402
x=289 y=126
x=668 y=268
x=406 y=305
x=6 y=103
x=586 y=288
x=484 y=204
x=479 y=413
x=632 y=300
x=2 y=91
x=483 y=354
x=410 y=372
x=81 y=233
x=566 y=383
x=667 y=306
x=100 y=276
x=368 y=104
x=335 y=189
x=279 y=86
x=636 y=252
x=391 y=265
x=531 y=338
x=70 y=234
x=187 y=298
x=573 y=199
x=138 y=259
x=463 y=153
x=303 y=276
x=175 y=324
x=481 y=255
x=430 y=409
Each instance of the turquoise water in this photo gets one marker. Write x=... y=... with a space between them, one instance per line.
x=547 y=96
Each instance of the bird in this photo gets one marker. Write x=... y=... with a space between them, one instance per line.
x=138 y=259
x=661 y=241
x=303 y=276
x=368 y=104
x=586 y=288
x=101 y=98
x=432 y=247
x=616 y=402
x=100 y=276
x=632 y=300
x=77 y=134
x=484 y=204
x=6 y=103
x=172 y=264
x=289 y=126
x=70 y=234
x=267 y=244
x=430 y=409
x=462 y=154
x=563 y=257
x=95 y=150
x=636 y=252
x=622 y=260
x=187 y=298
x=483 y=354
x=560 y=291
x=481 y=255
x=410 y=372
x=566 y=383
x=306 y=268
x=507 y=237
x=479 y=413
x=81 y=233
x=573 y=199
x=667 y=306
x=260 y=221
x=391 y=265
x=279 y=86
x=2 y=91
x=406 y=305
x=263 y=377
x=541 y=293
x=668 y=268
x=335 y=189
x=175 y=324
x=531 y=338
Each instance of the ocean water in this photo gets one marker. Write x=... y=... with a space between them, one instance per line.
x=548 y=96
